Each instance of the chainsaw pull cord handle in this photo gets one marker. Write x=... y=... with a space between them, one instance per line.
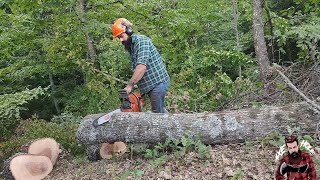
x=138 y=100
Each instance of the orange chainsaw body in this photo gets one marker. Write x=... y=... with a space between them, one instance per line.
x=132 y=102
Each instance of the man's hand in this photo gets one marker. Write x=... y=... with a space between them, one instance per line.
x=137 y=75
x=128 y=89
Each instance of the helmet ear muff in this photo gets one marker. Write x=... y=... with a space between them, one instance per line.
x=129 y=29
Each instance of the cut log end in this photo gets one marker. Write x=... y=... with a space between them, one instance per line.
x=45 y=147
x=119 y=148
x=106 y=149
x=30 y=167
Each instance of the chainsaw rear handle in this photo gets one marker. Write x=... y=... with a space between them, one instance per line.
x=123 y=93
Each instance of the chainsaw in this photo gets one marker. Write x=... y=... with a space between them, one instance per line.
x=132 y=102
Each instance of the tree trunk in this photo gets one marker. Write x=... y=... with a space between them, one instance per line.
x=236 y=18
x=313 y=49
x=53 y=89
x=271 y=33
x=90 y=43
x=212 y=128
x=259 y=41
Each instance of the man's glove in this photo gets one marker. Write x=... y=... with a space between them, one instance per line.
x=284 y=168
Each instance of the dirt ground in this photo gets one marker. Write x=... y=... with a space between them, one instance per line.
x=232 y=161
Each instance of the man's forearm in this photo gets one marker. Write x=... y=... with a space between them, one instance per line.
x=137 y=75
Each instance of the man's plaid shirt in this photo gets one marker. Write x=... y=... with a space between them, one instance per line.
x=306 y=159
x=144 y=52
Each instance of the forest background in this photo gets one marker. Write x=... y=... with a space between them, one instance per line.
x=59 y=61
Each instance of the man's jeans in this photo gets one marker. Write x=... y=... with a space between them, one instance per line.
x=157 y=95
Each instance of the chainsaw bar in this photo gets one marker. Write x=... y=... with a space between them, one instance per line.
x=105 y=118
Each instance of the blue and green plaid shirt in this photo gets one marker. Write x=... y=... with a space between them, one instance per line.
x=144 y=52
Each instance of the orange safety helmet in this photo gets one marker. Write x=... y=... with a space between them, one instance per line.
x=120 y=26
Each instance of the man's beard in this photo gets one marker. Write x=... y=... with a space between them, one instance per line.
x=127 y=44
x=295 y=157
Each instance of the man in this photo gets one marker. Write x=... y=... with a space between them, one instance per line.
x=296 y=164
x=149 y=71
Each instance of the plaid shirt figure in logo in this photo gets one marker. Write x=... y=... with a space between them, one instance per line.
x=296 y=165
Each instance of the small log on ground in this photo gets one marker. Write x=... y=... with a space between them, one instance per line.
x=117 y=148
x=212 y=128
x=26 y=167
x=45 y=147
x=105 y=150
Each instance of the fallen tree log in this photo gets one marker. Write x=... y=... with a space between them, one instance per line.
x=212 y=128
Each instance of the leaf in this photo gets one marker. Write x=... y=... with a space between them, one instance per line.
x=308 y=138
x=139 y=173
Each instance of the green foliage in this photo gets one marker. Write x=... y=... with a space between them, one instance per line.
x=238 y=175
x=248 y=145
x=90 y=100
x=316 y=162
x=11 y=107
x=296 y=30
x=44 y=43
x=64 y=133
x=185 y=144
x=159 y=161
x=306 y=34
x=134 y=172
x=196 y=39
x=48 y=37
x=277 y=139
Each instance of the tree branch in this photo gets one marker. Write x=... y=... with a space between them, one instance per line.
x=114 y=78
x=289 y=83
x=134 y=10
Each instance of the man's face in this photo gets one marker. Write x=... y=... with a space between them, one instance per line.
x=126 y=41
x=293 y=147
x=123 y=38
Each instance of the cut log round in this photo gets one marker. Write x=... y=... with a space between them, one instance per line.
x=212 y=128
x=6 y=173
x=106 y=150
x=30 y=167
x=45 y=147
x=117 y=148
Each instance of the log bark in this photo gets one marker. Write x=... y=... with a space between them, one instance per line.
x=93 y=152
x=212 y=128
